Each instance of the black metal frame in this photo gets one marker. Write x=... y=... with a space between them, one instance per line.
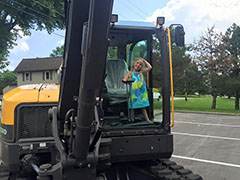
x=78 y=12
x=93 y=65
x=12 y=159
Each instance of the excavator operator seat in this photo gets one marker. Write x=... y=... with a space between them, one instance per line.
x=115 y=95
x=116 y=71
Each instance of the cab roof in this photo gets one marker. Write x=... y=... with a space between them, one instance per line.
x=138 y=25
x=125 y=32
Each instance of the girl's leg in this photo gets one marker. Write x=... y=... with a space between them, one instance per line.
x=144 y=111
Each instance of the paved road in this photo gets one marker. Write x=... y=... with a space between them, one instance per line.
x=208 y=144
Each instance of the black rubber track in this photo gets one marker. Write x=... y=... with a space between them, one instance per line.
x=4 y=173
x=163 y=170
x=169 y=170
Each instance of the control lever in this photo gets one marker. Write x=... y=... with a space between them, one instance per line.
x=128 y=90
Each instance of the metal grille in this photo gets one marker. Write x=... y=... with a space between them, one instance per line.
x=33 y=122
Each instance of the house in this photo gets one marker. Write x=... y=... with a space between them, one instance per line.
x=38 y=70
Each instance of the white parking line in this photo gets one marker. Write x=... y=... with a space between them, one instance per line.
x=209 y=124
x=206 y=136
x=207 y=161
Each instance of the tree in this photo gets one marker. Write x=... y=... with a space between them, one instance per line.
x=156 y=64
x=58 y=52
x=209 y=55
x=232 y=44
x=180 y=66
x=187 y=77
x=22 y=16
x=194 y=79
x=186 y=74
x=112 y=52
x=7 y=78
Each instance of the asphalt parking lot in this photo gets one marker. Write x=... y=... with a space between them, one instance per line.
x=208 y=144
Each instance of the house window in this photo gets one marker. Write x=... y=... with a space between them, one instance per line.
x=27 y=76
x=47 y=75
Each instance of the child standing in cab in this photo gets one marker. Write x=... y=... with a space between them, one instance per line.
x=139 y=95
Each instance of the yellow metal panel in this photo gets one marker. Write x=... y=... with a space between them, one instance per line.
x=49 y=93
x=19 y=95
x=36 y=93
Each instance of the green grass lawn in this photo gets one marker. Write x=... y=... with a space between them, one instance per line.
x=203 y=103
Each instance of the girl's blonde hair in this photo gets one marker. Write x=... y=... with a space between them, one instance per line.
x=136 y=61
x=140 y=74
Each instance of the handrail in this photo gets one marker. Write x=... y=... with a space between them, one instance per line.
x=171 y=74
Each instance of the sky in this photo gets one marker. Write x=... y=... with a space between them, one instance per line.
x=195 y=15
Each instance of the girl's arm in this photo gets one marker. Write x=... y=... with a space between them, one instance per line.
x=148 y=68
x=128 y=75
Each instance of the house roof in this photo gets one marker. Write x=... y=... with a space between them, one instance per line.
x=39 y=64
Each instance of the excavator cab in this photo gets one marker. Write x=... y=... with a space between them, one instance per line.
x=127 y=41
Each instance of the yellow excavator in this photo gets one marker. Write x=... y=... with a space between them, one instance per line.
x=82 y=128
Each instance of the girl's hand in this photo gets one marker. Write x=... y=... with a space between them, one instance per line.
x=148 y=68
x=128 y=75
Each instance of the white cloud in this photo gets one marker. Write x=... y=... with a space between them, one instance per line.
x=22 y=45
x=196 y=15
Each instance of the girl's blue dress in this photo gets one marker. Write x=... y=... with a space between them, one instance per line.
x=139 y=93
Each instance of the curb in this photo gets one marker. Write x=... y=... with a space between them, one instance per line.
x=200 y=112
x=212 y=113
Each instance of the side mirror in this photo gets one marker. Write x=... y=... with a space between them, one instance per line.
x=179 y=36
